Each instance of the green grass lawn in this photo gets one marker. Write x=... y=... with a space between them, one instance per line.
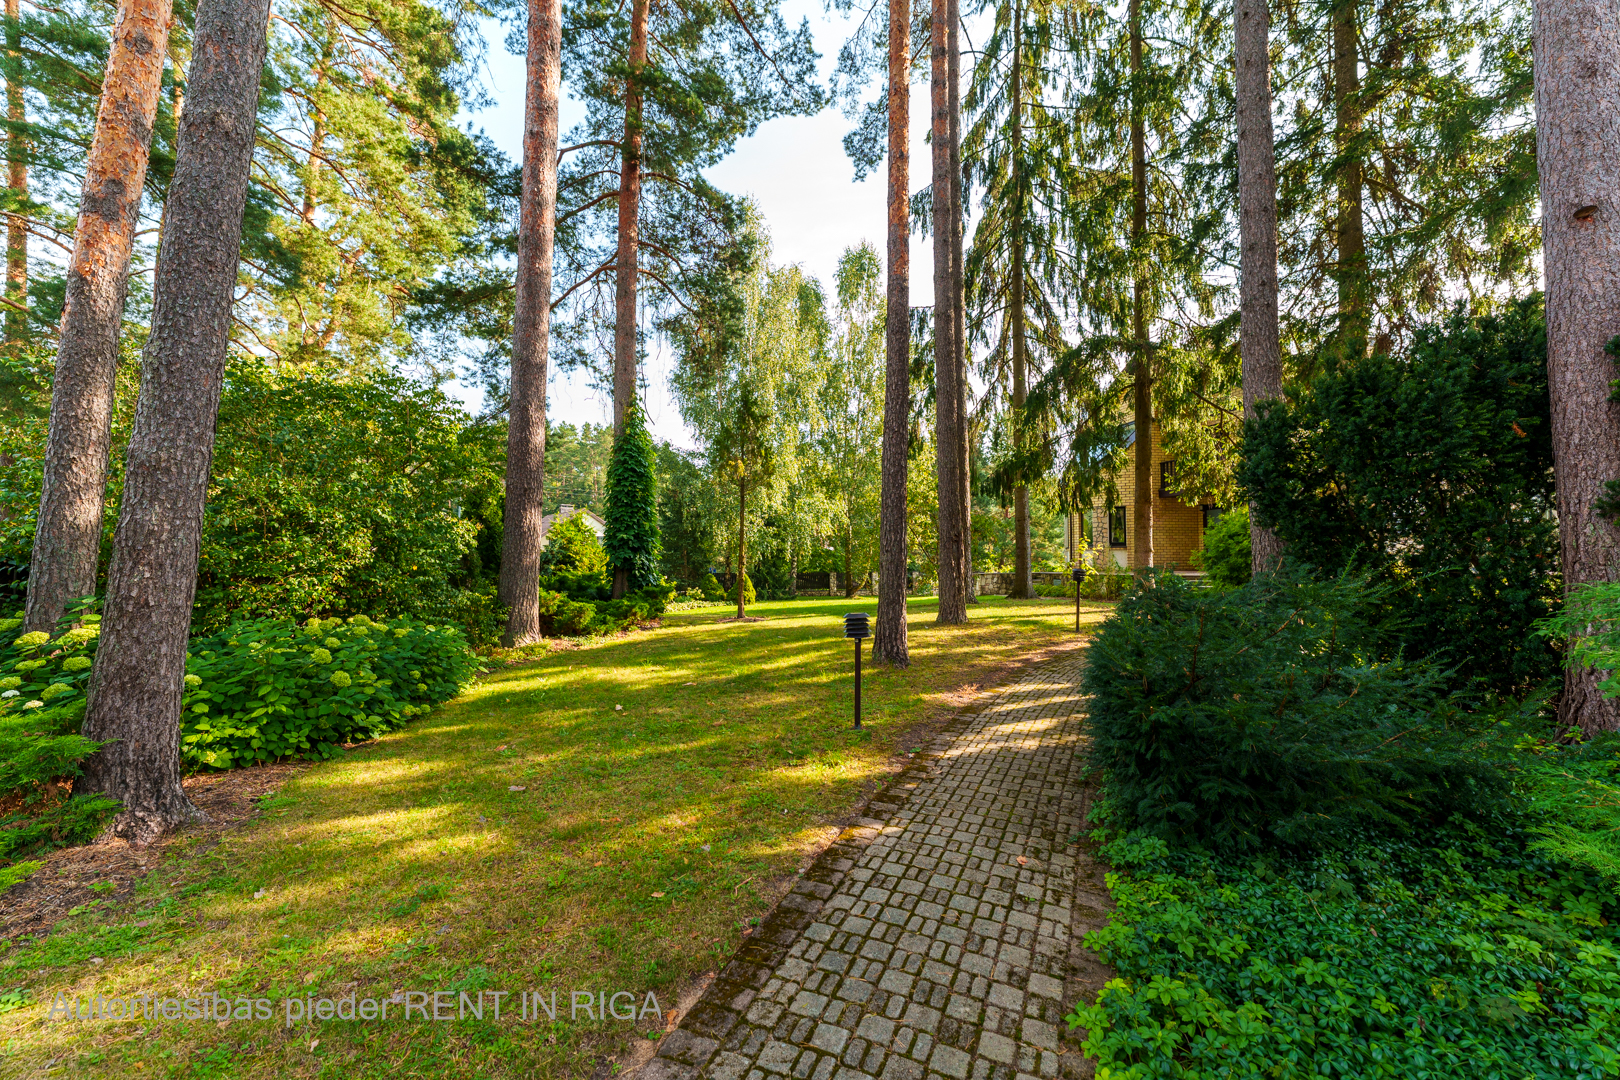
x=673 y=782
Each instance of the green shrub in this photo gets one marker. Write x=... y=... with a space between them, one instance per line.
x=1573 y=791
x=1272 y=712
x=579 y=584
x=1226 y=556
x=334 y=496
x=749 y=596
x=1431 y=472
x=573 y=547
x=270 y=689
x=711 y=589
x=561 y=615
x=41 y=706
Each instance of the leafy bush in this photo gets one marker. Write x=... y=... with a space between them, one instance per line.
x=269 y=689
x=41 y=707
x=1226 y=556
x=1573 y=790
x=711 y=588
x=337 y=496
x=1465 y=954
x=579 y=584
x=562 y=615
x=749 y=596
x=1432 y=472
x=1272 y=712
x=1588 y=625
x=572 y=547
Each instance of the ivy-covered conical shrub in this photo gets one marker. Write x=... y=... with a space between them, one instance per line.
x=632 y=539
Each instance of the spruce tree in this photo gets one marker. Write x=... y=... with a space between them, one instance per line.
x=1017 y=269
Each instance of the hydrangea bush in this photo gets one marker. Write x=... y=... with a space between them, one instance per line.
x=41 y=706
x=270 y=689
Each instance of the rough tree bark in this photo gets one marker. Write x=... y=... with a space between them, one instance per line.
x=138 y=678
x=531 y=329
x=626 y=265
x=953 y=20
x=889 y=636
x=949 y=423
x=17 y=181
x=67 y=539
x=1353 y=286
x=1141 y=368
x=1023 y=585
x=1577 y=67
x=1257 y=233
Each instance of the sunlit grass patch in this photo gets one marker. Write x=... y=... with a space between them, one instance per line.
x=672 y=783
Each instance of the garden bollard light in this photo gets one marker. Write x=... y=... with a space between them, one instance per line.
x=1079 y=576
x=855 y=626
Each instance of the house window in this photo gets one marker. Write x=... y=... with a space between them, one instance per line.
x=1167 y=479
x=1212 y=514
x=1116 y=527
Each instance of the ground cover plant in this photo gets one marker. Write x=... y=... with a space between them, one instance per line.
x=1325 y=866
x=602 y=817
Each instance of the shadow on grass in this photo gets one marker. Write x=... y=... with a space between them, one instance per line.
x=644 y=839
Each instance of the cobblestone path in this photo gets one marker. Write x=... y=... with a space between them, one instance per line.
x=937 y=938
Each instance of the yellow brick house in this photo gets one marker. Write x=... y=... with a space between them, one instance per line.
x=1107 y=532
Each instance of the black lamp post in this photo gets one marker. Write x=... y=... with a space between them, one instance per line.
x=856 y=626
x=1079 y=576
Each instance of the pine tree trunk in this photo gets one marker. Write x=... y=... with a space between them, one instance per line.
x=1142 y=369
x=67 y=538
x=624 y=291
x=953 y=21
x=948 y=422
x=1577 y=67
x=1257 y=228
x=889 y=636
x=531 y=330
x=1353 y=286
x=17 y=181
x=138 y=678
x=1023 y=586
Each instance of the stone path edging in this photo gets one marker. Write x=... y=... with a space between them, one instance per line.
x=933 y=938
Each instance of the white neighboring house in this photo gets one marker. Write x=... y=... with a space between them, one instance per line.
x=564 y=512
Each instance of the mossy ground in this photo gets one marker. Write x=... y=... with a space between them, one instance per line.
x=675 y=780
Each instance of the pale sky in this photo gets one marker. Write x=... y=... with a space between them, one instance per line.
x=794 y=168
